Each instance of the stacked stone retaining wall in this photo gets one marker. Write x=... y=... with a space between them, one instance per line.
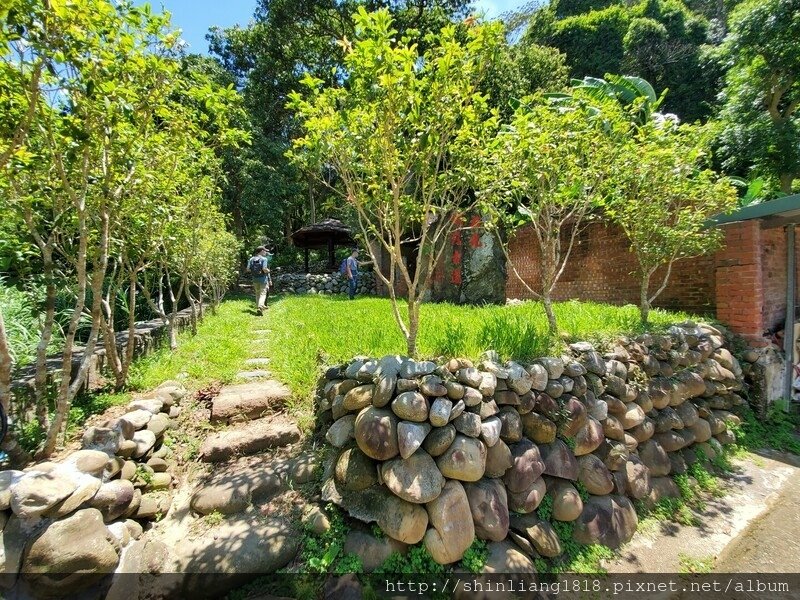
x=446 y=452
x=325 y=283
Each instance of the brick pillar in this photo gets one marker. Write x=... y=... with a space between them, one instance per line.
x=739 y=285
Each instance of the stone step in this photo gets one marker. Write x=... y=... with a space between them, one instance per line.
x=248 y=439
x=257 y=361
x=254 y=374
x=243 y=402
x=250 y=479
x=262 y=331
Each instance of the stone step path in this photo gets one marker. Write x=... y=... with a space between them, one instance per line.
x=256 y=362
x=248 y=401
x=255 y=436
x=253 y=375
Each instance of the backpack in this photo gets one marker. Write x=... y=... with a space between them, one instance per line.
x=343 y=267
x=257 y=266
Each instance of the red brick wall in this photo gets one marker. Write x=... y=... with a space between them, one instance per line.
x=602 y=268
x=773 y=260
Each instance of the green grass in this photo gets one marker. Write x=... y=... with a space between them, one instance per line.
x=311 y=331
x=218 y=351
x=690 y=564
x=778 y=431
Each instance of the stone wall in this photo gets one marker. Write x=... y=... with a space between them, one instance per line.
x=66 y=523
x=443 y=453
x=324 y=283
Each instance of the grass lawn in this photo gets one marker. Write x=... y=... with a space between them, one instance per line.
x=310 y=331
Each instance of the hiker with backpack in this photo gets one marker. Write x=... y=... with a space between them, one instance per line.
x=349 y=270
x=258 y=265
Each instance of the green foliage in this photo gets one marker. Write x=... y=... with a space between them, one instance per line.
x=690 y=564
x=475 y=556
x=545 y=509
x=324 y=553
x=778 y=430
x=760 y=120
x=416 y=561
x=659 y=40
x=93 y=403
x=401 y=137
x=143 y=474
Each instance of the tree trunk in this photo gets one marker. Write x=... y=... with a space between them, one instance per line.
x=40 y=378
x=5 y=367
x=552 y=325
x=644 y=302
x=786 y=182
x=413 y=328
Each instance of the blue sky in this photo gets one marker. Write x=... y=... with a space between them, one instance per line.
x=194 y=17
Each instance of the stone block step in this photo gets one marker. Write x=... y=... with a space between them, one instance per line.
x=254 y=374
x=247 y=439
x=236 y=403
x=257 y=361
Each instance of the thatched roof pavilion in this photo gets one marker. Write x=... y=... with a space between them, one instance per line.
x=328 y=233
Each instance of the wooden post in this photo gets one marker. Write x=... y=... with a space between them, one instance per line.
x=331 y=257
x=305 y=259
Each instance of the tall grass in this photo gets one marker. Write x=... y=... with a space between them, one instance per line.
x=309 y=331
x=22 y=323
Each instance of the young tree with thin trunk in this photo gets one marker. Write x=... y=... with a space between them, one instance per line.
x=543 y=171
x=662 y=194
x=399 y=133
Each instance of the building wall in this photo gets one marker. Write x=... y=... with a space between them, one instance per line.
x=602 y=268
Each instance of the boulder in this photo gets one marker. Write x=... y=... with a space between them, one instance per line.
x=487 y=385
x=597 y=408
x=574 y=416
x=538 y=376
x=431 y=385
x=667 y=418
x=415 y=479
x=87 y=488
x=519 y=380
x=637 y=478
x=144 y=440
x=594 y=475
x=358 y=398
x=71 y=554
x=702 y=431
x=511 y=425
x=455 y=390
x=138 y=419
x=464 y=459
x=671 y=441
x=553 y=366
x=538 y=428
x=8 y=478
x=490 y=431
x=469 y=424
x=104 y=439
x=411 y=406
x=355 y=470
x=385 y=385
x=498 y=460
x=452 y=529
x=567 y=503
x=376 y=433
x=411 y=369
x=341 y=431
x=113 y=499
x=633 y=416
x=687 y=413
x=526 y=468
x=588 y=438
x=439 y=440
x=371 y=550
x=440 y=412
x=607 y=520
x=489 y=506
x=36 y=493
x=655 y=458
x=540 y=533
x=612 y=428
x=410 y=436
x=470 y=376
x=644 y=431
x=614 y=454
x=528 y=500
x=559 y=461
x=91 y=462
x=504 y=557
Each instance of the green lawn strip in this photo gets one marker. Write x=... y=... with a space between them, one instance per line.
x=311 y=331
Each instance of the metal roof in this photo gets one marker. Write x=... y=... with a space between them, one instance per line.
x=783 y=210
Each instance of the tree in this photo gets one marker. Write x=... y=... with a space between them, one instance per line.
x=760 y=116
x=111 y=115
x=544 y=171
x=659 y=40
x=399 y=135
x=266 y=194
x=661 y=192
